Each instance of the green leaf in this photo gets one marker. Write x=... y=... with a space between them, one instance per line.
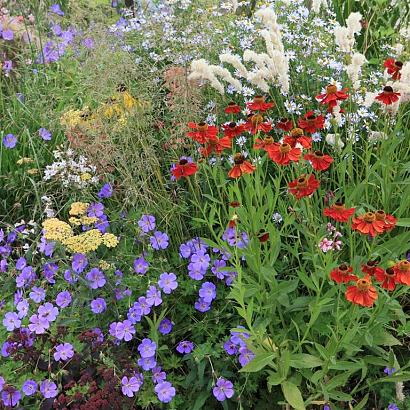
x=362 y=403
x=274 y=379
x=258 y=362
x=384 y=338
x=403 y=222
x=305 y=361
x=293 y=395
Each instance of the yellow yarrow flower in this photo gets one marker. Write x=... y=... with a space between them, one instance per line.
x=74 y=221
x=110 y=240
x=104 y=265
x=56 y=230
x=32 y=171
x=25 y=160
x=78 y=208
x=85 y=242
x=86 y=176
x=88 y=220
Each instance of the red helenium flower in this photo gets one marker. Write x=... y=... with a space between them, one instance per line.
x=393 y=68
x=387 y=277
x=285 y=124
x=255 y=124
x=332 y=96
x=388 y=96
x=371 y=268
x=282 y=154
x=303 y=186
x=259 y=104
x=367 y=224
x=339 y=212
x=296 y=136
x=266 y=144
x=202 y=132
x=320 y=161
x=233 y=130
x=216 y=146
x=241 y=166
x=311 y=123
x=343 y=274
x=402 y=270
x=362 y=293
x=388 y=220
x=232 y=108
x=184 y=169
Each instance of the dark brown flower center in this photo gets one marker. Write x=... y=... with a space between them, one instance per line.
x=398 y=64
x=296 y=132
x=238 y=159
x=284 y=120
x=311 y=117
x=285 y=148
x=331 y=89
x=232 y=125
x=257 y=119
x=268 y=140
x=404 y=266
x=338 y=205
x=363 y=285
x=259 y=99
x=380 y=215
x=232 y=103
x=388 y=89
x=183 y=162
x=301 y=181
x=319 y=154
x=390 y=272
x=202 y=126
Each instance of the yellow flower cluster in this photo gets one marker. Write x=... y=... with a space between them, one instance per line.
x=74 y=118
x=110 y=240
x=56 y=230
x=78 y=208
x=84 y=220
x=25 y=160
x=84 y=242
x=104 y=265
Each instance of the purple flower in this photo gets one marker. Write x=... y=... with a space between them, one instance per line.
x=207 y=292
x=44 y=134
x=389 y=371
x=202 y=306
x=165 y=391
x=46 y=247
x=185 y=251
x=9 y=141
x=147 y=223
x=63 y=299
x=50 y=269
x=229 y=277
x=168 y=282
x=7 y=34
x=218 y=264
x=95 y=209
x=185 y=346
x=105 y=191
x=130 y=386
x=239 y=337
x=96 y=278
x=7 y=67
x=141 y=265
x=245 y=356
x=48 y=389
x=88 y=43
x=11 y=321
x=37 y=294
x=144 y=305
x=79 y=262
x=195 y=271
x=153 y=296
x=234 y=238
x=55 y=8
x=29 y=387
x=147 y=348
x=3 y=382
x=223 y=389
x=230 y=347
x=165 y=327
x=147 y=363
x=63 y=352
x=201 y=259
x=10 y=396
x=21 y=263
x=392 y=406
x=158 y=375
x=98 y=305
x=326 y=407
x=22 y=308
x=38 y=324
x=125 y=330
x=135 y=313
x=159 y=240
x=48 y=312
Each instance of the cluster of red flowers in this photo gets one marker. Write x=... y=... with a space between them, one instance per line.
x=363 y=292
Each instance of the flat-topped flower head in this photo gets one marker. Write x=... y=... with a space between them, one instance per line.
x=388 y=278
x=241 y=166
x=259 y=104
x=311 y=123
x=332 y=96
x=303 y=186
x=202 y=132
x=184 y=168
x=402 y=270
x=232 y=108
x=283 y=154
x=362 y=293
x=368 y=224
x=285 y=124
x=296 y=136
x=343 y=274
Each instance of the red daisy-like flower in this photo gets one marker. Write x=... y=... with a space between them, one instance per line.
x=362 y=293
x=202 y=132
x=255 y=124
x=311 y=123
x=282 y=154
x=216 y=146
x=367 y=224
x=388 y=278
x=266 y=144
x=388 y=96
x=233 y=130
x=259 y=104
x=285 y=124
x=303 y=186
x=402 y=270
x=332 y=96
x=343 y=274
x=393 y=68
x=297 y=136
x=241 y=166
x=371 y=268
x=339 y=212
x=320 y=161
x=184 y=169
x=388 y=220
x=232 y=108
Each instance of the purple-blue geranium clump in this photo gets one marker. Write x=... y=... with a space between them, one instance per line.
x=10 y=141
x=223 y=389
x=168 y=282
x=44 y=134
x=159 y=240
